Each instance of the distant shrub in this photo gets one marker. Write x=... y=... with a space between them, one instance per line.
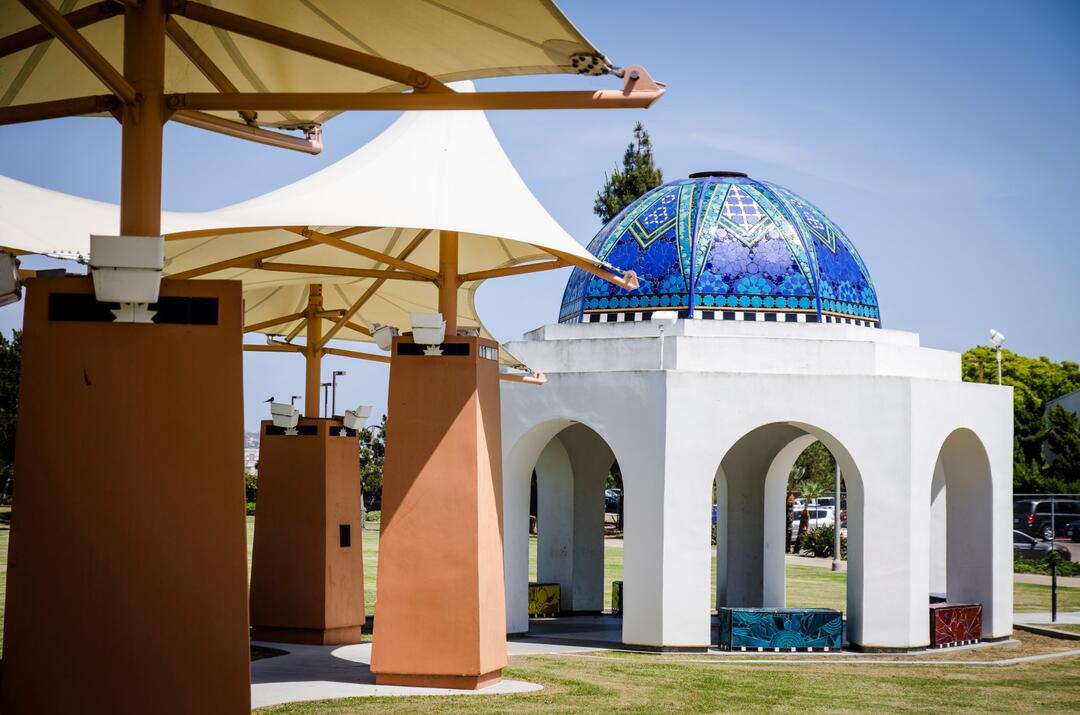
x=1065 y=568
x=819 y=542
x=251 y=508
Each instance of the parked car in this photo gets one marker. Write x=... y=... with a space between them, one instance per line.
x=817 y=517
x=611 y=500
x=1072 y=530
x=1031 y=549
x=1034 y=516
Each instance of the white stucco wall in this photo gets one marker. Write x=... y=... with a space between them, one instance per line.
x=733 y=401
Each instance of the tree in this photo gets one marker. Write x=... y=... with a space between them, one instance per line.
x=10 y=361
x=810 y=491
x=815 y=465
x=251 y=485
x=1035 y=381
x=372 y=454
x=1063 y=442
x=637 y=175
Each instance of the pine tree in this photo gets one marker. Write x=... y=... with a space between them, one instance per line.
x=637 y=176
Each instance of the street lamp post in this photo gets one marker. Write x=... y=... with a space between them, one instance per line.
x=836 y=523
x=333 y=391
x=293 y=399
x=997 y=339
x=325 y=396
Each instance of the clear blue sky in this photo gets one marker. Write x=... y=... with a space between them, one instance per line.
x=941 y=136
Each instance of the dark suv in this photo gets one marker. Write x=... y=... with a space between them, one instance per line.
x=1033 y=516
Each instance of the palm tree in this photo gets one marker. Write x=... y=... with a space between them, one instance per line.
x=810 y=491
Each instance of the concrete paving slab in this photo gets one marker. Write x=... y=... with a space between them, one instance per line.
x=326 y=672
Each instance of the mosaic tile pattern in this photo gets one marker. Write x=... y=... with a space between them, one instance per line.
x=729 y=246
x=955 y=624
x=544 y=599
x=785 y=629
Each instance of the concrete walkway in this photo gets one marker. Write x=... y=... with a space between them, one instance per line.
x=1037 y=618
x=1035 y=578
x=325 y=672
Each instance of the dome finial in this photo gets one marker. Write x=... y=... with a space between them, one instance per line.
x=718 y=174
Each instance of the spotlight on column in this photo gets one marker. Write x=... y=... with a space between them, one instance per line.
x=10 y=285
x=285 y=416
x=356 y=419
x=127 y=270
x=428 y=328
x=384 y=335
x=469 y=331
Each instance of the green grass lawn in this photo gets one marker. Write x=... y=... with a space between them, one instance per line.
x=806 y=585
x=640 y=685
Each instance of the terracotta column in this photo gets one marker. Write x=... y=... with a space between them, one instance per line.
x=307 y=570
x=127 y=573
x=440 y=615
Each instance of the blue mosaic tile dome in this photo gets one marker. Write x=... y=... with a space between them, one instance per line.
x=733 y=247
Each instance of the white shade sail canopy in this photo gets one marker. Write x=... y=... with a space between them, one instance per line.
x=429 y=172
x=445 y=40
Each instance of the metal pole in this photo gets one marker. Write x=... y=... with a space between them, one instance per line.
x=312 y=353
x=325 y=398
x=1053 y=590
x=1053 y=557
x=448 y=279
x=836 y=523
x=999 y=364
x=661 y=346
x=333 y=391
x=143 y=121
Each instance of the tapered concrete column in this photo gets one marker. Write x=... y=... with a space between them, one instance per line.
x=555 y=520
x=938 y=533
x=591 y=459
x=571 y=474
x=773 y=594
x=888 y=575
x=667 y=553
x=441 y=610
x=720 y=549
x=746 y=468
x=969 y=503
x=307 y=570
x=516 y=488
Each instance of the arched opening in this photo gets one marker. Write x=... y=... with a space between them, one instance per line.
x=754 y=524
x=578 y=497
x=961 y=531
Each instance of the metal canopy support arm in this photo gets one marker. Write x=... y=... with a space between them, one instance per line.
x=338 y=242
x=57 y=25
x=378 y=66
x=83 y=17
x=186 y=43
x=355 y=307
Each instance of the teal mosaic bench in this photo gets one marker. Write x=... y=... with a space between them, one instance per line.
x=780 y=630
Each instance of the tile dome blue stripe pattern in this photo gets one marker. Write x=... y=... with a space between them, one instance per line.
x=733 y=247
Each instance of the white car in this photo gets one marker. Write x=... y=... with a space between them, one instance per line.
x=817 y=517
